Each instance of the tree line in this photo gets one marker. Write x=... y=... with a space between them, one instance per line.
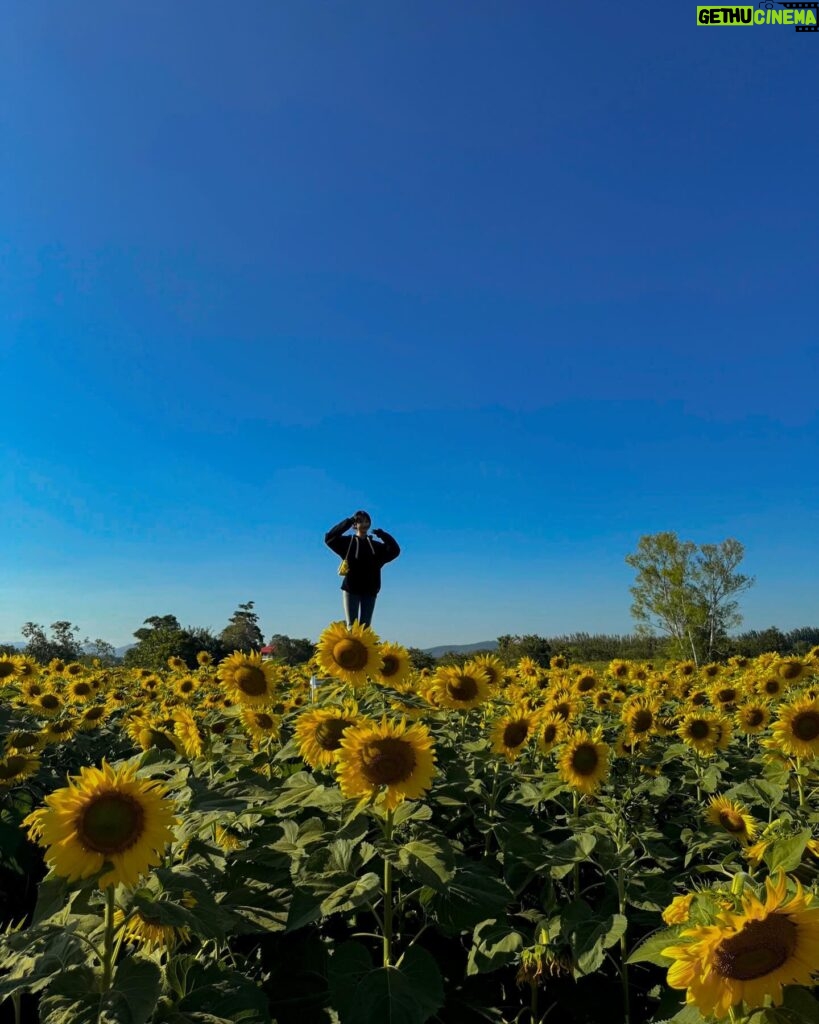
x=684 y=605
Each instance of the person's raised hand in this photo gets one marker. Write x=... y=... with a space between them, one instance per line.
x=378 y=533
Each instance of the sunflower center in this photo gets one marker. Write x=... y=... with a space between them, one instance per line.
x=264 y=721
x=805 y=725
x=731 y=821
x=756 y=716
x=760 y=948
x=790 y=670
x=12 y=766
x=387 y=761
x=81 y=689
x=49 y=701
x=772 y=686
x=329 y=732
x=6 y=669
x=562 y=709
x=642 y=720
x=585 y=683
x=462 y=688
x=727 y=695
x=93 y=714
x=549 y=733
x=186 y=686
x=515 y=734
x=389 y=665
x=699 y=729
x=350 y=654
x=698 y=699
x=585 y=759
x=111 y=823
x=251 y=680
x=24 y=740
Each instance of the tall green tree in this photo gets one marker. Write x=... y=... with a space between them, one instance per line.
x=687 y=592
x=242 y=633
x=291 y=651
x=64 y=642
x=512 y=648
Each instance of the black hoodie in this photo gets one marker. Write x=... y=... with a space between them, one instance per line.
x=364 y=555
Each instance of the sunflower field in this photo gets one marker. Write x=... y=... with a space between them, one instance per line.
x=353 y=841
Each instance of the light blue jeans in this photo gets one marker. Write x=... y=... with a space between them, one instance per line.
x=358 y=606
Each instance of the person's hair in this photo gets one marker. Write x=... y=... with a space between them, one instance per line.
x=361 y=514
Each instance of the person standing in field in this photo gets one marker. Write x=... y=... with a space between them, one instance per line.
x=361 y=567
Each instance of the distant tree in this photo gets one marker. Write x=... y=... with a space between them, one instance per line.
x=64 y=642
x=162 y=637
x=8 y=649
x=687 y=592
x=102 y=651
x=512 y=648
x=420 y=659
x=290 y=651
x=242 y=633
x=760 y=641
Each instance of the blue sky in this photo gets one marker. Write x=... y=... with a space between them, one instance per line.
x=526 y=281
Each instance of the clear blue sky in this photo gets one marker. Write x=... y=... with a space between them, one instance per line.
x=524 y=280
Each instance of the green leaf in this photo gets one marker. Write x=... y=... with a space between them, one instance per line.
x=133 y=996
x=428 y=862
x=409 y=993
x=571 y=851
x=649 y=949
x=474 y=891
x=35 y=956
x=787 y=853
x=591 y=937
x=214 y=995
x=494 y=944
x=71 y=998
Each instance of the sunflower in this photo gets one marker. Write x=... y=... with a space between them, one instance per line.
x=57 y=666
x=187 y=730
x=17 y=765
x=724 y=696
x=319 y=733
x=247 y=678
x=395 y=665
x=105 y=816
x=204 y=659
x=31 y=689
x=563 y=704
x=261 y=725
x=393 y=756
x=678 y=909
x=228 y=837
x=639 y=716
x=25 y=741
x=752 y=717
x=528 y=668
x=619 y=669
x=558 y=661
x=602 y=699
x=459 y=688
x=792 y=670
x=586 y=682
x=584 y=762
x=149 y=932
x=797 y=729
x=47 y=705
x=92 y=717
x=348 y=653
x=698 y=732
x=59 y=730
x=732 y=817
x=747 y=957
x=27 y=668
x=147 y=733
x=8 y=668
x=493 y=667
x=552 y=731
x=513 y=731
x=176 y=664
x=186 y=687
x=771 y=687
x=79 y=690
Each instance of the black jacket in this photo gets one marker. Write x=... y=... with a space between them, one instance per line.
x=365 y=558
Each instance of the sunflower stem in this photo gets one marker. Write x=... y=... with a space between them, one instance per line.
x=388 y=892
x=15 y=1002
x=108 y=949
x=533 y=1000
x=800 y=787
x=576 y=823
x=621 y=899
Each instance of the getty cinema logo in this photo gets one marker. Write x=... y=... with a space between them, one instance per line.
x=803 y=16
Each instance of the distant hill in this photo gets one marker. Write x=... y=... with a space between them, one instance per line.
x=484 y=645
